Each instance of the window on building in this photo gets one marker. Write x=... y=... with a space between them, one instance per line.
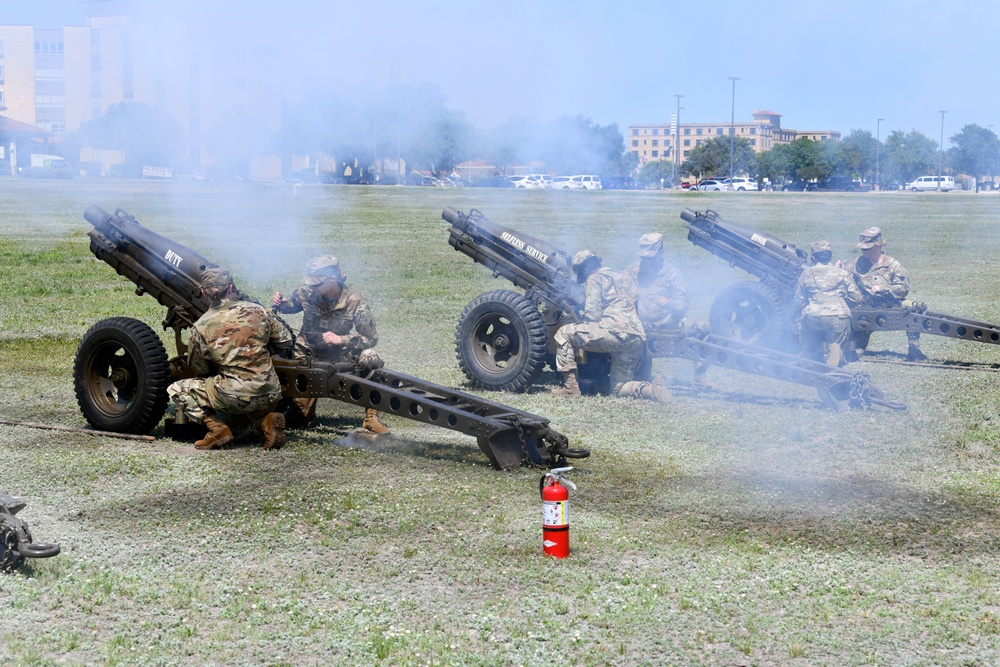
x=1 y=48
x=753 y=130
x=635 y=133
x=753 y=142
x=687 y=130
x=635 y=143
x=656 y=142
x=656 y=153
x=1 y=74
x=698 y=131
x=823 y=138
x=697 y=142
x=1 y=98
x=687 y=142
x=718 y=131
x=656 y=131
x=732 y=131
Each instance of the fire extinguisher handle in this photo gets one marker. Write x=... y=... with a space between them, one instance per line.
x=556 y=475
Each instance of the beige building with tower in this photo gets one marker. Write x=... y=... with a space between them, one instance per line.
x=656 y=141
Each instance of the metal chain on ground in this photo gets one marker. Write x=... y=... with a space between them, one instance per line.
x=861 y=391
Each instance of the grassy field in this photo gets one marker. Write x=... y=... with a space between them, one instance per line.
x=744 y=527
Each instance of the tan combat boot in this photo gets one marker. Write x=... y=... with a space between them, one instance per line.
x=914 y=354
x=218 y=435
x=657 y=392
x=273 y=427
x=373 y=424
x=571 y=387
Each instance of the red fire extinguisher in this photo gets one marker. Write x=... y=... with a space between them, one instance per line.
x=555 y=512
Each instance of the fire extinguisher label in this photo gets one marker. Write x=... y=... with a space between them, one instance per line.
x=555 y=512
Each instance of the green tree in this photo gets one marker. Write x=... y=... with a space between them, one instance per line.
x=711 y=158
x=808 y=160
x=854 y=156
x=908 y=156
x=975 y=151
x=655 y=172
x=146 y=135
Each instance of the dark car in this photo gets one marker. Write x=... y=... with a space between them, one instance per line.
x=495 y=182
x=839 y=184
x=617 y=183
x=798 y=185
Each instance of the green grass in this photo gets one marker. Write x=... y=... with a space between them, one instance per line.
x=744 y=527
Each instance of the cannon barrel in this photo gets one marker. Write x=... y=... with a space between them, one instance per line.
x=168 y=271
x=527 y=262
x=769 y=258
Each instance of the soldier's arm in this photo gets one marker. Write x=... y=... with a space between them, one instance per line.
x=281 y=339
x=674 y=295
x=899 y=282
x=593 y=308
x=852 y=295
x=365 y=334
x=291 y=304
x=198 y=358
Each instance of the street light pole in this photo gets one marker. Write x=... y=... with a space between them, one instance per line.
x=941 y=156
x=878 y=144
x=732 y=129
x=677 y=143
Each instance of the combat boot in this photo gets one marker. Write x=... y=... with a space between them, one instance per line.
x=914 y=354
x=373 y=424
x=273 y=426
x=301 y=412
x=657 y=392
x=571 y=386
x=218 y=435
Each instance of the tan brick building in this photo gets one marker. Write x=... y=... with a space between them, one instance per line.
x=656 y=141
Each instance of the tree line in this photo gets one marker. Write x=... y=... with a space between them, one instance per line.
x=375 y=129
x=900 y=158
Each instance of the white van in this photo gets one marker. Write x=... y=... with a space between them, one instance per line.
x=925 y=183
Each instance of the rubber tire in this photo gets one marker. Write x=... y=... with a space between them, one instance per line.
x=522 y=352
x=130 y=349
x=751 y=312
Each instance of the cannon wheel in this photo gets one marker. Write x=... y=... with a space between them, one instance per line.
x=501 y=341
x=121 y=375
x=751 y=312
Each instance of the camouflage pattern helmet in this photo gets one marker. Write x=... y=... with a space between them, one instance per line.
x=650 y=245
x=821 y=246
x=581 y=257
x=214 y=278
x=318 y=269
x=870 y=238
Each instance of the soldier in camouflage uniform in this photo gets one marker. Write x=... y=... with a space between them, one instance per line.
x=821 y=303
x=883 y=282
x=663 y=303
x=610 y=325
x=229 y=350
x=332 y=312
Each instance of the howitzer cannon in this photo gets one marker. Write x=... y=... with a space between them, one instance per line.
x=504 y=339
x=15 y=538
x=121 y=371
x=760 y=312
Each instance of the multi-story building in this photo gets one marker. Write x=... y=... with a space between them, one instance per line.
x=658 y=141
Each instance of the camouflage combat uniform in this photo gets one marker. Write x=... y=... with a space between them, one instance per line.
x=894 y=286
x=229 y=352
x=611 y=325
x=654 y=287
x=821 y=302
x=346 y=314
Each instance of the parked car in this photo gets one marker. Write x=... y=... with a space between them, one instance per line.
x=565 y=183
x=525 y=182
x=839 y=184
x=710 y=185
x=494 y=182
x=590 y=182
x=739 y=184
x=617 y=183
x=925 y=183
x=798 y=185
x=892 y=185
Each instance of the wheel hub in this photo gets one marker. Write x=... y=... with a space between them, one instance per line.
x=501 y=343
x=120 y=377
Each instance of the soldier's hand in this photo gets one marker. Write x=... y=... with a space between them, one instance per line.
x=278 y=299
x=331 y=338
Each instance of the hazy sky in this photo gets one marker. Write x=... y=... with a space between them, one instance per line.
x=622 y=62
